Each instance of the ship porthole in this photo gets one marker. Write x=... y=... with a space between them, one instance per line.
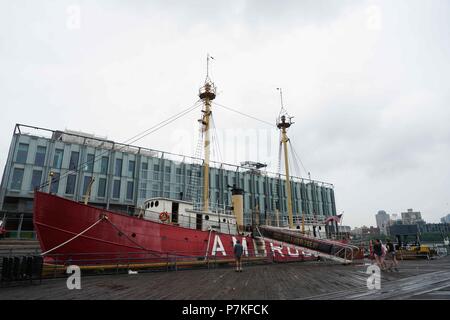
x=151 y=204
x=224 y=220
x=156 y=203
x=206 y=217
x=133 y=235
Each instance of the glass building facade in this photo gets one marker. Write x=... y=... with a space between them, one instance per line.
x=125 y=176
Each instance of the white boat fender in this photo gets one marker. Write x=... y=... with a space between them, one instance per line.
x=132 y=272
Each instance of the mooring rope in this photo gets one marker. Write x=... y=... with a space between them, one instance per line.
x=76 y=236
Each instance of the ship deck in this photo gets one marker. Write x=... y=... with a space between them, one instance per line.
x=417 y=279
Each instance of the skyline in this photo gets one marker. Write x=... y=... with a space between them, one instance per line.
x=365 y=80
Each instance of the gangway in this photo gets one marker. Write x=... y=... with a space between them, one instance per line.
x=327 y=249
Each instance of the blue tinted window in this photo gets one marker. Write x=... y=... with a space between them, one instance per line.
x=39 y=160
x=74 y=158
x=104 y=165
x=22 y=153
x=130 y=187
x=101 y=187
x=16 y=183
x=87 y=180
x=55 y=183
x=90 y=162
x=57 y=159
x=118 y=168
x=131 y=165
x=144 y=170
x=116 y=189
x=36 y=179
x=71 y=180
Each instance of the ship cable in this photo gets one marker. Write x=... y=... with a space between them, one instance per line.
x=127 y=143
x=104 y=217
x=215 y=138
x=244 y=114
x=297 y=157
x=123 y=233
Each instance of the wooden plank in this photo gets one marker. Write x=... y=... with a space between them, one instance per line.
x=304 y=280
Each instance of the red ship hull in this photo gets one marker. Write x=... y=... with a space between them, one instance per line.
x=117 y=236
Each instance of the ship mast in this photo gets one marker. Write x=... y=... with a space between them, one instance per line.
x=207 y=93
x=283 y=123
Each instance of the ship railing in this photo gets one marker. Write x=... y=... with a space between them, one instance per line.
x=222 y=224
x=111 y=263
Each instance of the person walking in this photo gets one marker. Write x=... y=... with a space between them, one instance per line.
x=378 y=253
x=391 y=255
x=238 y=249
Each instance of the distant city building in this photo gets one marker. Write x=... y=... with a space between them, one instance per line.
x=356 y=232
x=446 y=219
x=383 y=221
x=435 y=228
x=370 y=231
x=344 y=229
x=411 y=217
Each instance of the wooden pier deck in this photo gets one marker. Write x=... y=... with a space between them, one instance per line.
x=418 y=279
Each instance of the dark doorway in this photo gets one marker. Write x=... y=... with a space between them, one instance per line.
x=174 y=212
x=199 y=221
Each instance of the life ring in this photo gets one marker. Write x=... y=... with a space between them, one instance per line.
x=163 y=216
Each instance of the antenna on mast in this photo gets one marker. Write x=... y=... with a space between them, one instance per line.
x=208 y=57
x=281 y=97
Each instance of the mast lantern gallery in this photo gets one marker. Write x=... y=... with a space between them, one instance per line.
x=207 y=93
x=283 y=123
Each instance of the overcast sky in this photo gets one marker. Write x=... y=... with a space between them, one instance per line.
x=367 y=82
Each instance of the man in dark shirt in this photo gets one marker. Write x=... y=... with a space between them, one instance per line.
x=238 y=249
x=391 y=255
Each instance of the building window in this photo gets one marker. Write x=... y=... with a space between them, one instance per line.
x=74 y=157
x=39 y=159
x=57 y=159
x=131 y=166
x=22 y=153
x=167 y=173
x=36 y=179
x=144 y=170
x=16 y=183
x=143 y=190
x=70 y=186
x=101 y=188
x=118 y=168
x=90 y=163
x=55 y=183
x=104 y=165
x=116 y=189
x=130 y=187
x=87 y=180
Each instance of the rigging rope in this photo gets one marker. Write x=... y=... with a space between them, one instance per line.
x=128 y=142
x=297 y=157
x=215 y=137
x=244 y=114
x=76 y=236
x=123 y=233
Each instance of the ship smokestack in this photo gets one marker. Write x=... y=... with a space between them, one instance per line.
x=237 y=199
